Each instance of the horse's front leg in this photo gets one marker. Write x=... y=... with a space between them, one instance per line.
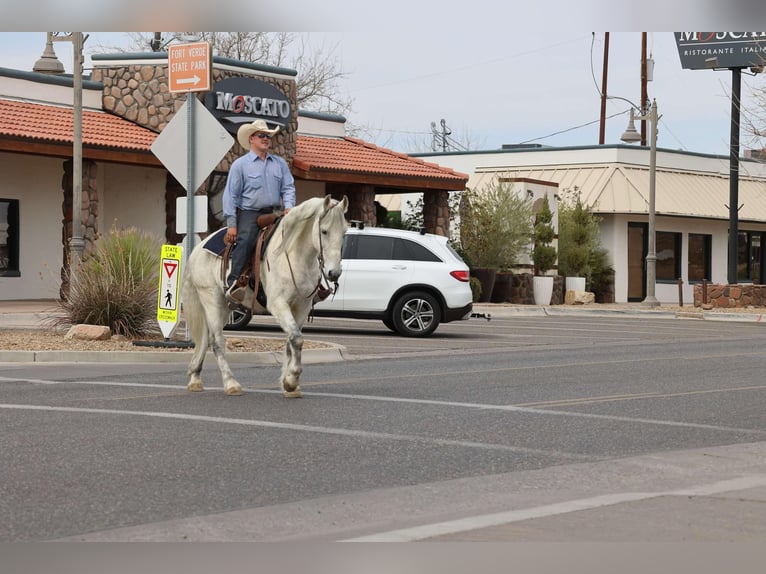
x=291 y=366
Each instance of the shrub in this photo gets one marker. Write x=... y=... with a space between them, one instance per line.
x=117 y=286
x=495 y=226
x=543 y=253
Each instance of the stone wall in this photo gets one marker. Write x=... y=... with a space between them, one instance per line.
x=729 y=296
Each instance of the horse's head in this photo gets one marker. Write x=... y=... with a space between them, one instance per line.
x=332 y=226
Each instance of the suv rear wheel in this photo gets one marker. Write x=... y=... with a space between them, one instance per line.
x=238 y=319
x=416 y=314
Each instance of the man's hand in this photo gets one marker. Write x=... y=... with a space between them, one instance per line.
x=231 y=235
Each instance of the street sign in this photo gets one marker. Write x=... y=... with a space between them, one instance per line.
x=211 y=142
x=200 y=214
x=168 y=291
x=189 y=68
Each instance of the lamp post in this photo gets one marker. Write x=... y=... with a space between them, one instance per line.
x=76 y=242
x=630 y=135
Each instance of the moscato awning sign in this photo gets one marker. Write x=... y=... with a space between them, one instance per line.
x=707 y=50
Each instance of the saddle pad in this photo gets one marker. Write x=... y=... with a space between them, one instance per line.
x=215 y=243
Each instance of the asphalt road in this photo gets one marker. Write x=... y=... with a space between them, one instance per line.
x=513 y=429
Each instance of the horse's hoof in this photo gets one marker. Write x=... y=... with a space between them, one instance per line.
x=195 y=387
x=296 y=394
x=234 y=391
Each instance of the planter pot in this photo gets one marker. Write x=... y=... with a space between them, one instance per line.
x=486 y=277
x=501 y=293
x=575 y=283
x=543 y=289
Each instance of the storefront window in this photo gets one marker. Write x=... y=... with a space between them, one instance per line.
x=9 y=237
x=668 y=256
x=699 y=256
x=749 y=256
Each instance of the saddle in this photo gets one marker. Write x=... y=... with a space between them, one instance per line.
x=251 y=274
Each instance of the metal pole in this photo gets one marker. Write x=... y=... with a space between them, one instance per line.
x=736 y=82
x=189 y=173
x=77 y=244
x=602 y=127
x=651 y=256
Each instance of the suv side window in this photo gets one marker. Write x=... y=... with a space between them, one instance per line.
x=406 y=250
x=374 y=247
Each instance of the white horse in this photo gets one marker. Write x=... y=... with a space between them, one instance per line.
x=304 y=250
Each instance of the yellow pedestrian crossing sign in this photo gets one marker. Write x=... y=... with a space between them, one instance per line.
x=169 y=288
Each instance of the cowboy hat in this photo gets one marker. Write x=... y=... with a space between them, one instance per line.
x=246 y=130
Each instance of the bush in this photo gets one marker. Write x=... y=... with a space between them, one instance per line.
x=495 y=226
x=475 y=288
x=117 y=286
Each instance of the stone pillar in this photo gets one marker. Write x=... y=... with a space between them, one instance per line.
x=88 y=215
x=436 y=212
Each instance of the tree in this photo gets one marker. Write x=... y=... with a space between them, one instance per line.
x=318 y=69
x=495 y=226
x=578 y=237
x=543 y=253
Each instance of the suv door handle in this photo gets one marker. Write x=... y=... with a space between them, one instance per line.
x=399 y=267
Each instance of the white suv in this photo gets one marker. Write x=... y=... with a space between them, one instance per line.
x=411 y=281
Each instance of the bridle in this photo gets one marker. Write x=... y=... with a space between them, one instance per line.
x=323 y=291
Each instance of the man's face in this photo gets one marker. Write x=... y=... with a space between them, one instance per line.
x=260 y=141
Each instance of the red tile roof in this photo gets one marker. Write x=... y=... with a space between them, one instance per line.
x=354 y=156
x=55 y=124
x=315 y=158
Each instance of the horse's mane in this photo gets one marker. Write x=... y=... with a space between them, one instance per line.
x=298 y=220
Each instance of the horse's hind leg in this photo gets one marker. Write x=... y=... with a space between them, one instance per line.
x=216 y=314
x=195 y=365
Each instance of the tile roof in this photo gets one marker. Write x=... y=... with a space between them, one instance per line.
x=47 y=123
x=355 y=156
x=316 y=157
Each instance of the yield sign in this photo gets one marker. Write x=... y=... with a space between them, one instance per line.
x=170 y=267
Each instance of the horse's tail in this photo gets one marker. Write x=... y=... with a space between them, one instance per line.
x=193 y=310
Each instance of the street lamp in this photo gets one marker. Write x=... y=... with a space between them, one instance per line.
x=76 y=243
x=630 y=135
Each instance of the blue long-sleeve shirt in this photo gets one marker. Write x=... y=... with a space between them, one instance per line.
x=254 y=183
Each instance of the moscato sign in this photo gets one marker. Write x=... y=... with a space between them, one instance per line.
x=705 y=50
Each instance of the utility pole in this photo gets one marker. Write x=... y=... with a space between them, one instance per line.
x=602 y=130
x=440 y=138
x=644 y=95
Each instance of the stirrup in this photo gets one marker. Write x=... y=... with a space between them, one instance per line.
x=235 y=295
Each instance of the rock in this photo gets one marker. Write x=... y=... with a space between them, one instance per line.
x=89 y=333
x=579 y=298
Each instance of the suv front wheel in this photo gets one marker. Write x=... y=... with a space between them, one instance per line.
x=416 y=314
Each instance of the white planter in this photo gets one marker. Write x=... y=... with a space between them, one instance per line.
x=575 y=283
x=542 y=286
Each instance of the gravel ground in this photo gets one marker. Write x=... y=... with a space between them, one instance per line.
x=51 y=340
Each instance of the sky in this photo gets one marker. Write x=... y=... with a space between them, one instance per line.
x=498 y=88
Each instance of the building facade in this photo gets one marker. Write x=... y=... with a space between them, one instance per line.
x=126 y=103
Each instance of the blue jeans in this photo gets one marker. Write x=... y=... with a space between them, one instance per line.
x=247 y=237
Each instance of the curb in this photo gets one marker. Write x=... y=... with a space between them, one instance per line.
x=308 y=356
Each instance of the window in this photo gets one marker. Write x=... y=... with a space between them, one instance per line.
x=668 y=266
x=372 y=247
x=749 y=256
x=406 y=250
x=9 y=237
x=699 y=256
